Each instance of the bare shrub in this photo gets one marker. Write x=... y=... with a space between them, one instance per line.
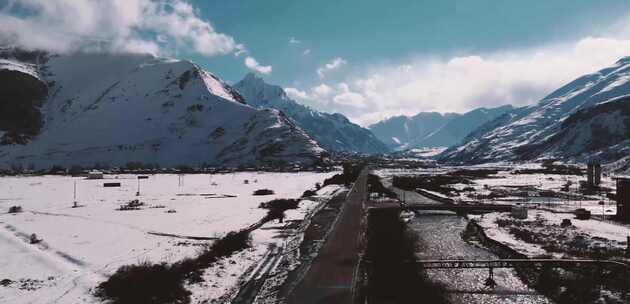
x=263 y=192
x=15 y=209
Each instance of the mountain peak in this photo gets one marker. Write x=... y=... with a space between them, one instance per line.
x=432 y=129
x=253 y=78
x=255 y=82
x=623 y=60
x=175 y=113
x=332 y=131
x=258 y=93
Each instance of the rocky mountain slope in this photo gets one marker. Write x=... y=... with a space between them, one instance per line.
x=86 y=109
x=601 y=131
x=332 y=131
x=399 y=132
x=585 y=119
x=431 y=129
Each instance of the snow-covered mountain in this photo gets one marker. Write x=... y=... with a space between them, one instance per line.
x=399 y=132
x=83 y=109
x=587 y=118
x=332 y=131
x=431 y=129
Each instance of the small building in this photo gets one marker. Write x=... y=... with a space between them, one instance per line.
x=593 y=174
x=519 y=212
x=582 y=214
x=623 y=198
x=95 y=175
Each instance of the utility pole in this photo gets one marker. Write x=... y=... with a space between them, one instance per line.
x=74 y=205
x=181 y=180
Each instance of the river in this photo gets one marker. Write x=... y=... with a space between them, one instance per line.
x=440 y=237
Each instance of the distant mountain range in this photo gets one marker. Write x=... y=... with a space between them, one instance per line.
x=334 y=132
x=587 y=119
x=432 y=129
x=111 y=109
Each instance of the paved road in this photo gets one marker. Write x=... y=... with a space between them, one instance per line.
x=329 y=279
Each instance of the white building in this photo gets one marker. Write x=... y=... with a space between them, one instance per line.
x=95 y=175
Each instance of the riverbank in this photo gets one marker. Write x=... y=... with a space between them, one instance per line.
x=441 y=236
x=587 y=284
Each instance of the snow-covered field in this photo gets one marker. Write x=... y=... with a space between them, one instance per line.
x=505 y=180
x=528 y=190
x=82 y=246
x=608 y=234
x=596 y=203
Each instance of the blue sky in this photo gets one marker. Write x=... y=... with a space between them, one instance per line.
x=372 y=31
x=366 y=59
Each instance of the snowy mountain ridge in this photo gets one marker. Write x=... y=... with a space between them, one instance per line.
x=119 y=108
x=583 y=120
x=432 y=129
x=332 y=131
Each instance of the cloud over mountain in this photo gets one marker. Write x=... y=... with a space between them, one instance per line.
x=139 y=26
x=253 y=65
x=461 y=83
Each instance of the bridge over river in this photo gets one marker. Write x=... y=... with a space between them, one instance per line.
x=459 y=208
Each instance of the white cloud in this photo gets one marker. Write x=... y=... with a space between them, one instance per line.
x=351 y=99
x=462 y=83
x=343 y=96
x=322 y=91
x=179 y=20
x=334 y=64
x=253 y=65
x=292 y=40
x=116 y=25
x=306 y=52
x=137 y=46
x=240 y=50
x=338 y=97
x=296 y=93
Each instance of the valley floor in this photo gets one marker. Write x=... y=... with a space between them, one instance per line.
x=79 y=247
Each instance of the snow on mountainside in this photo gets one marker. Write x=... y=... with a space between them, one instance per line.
x=587 y=118
x=332 y=131
x=119 y=108
x=400 y=132
x=601 y=131
x=431 y=129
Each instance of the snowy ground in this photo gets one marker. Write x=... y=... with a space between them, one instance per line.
x=593 y=233
x=269 y=243
x=82 y=246
x=506 y=180
x=551 y=210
